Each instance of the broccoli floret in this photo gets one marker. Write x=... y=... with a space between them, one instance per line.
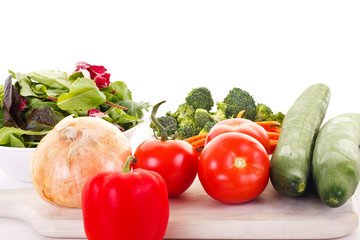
x=202 y=117
x=238 y=100
x=200 y=98
x=184 y=111
x=218 y=116
x=263 y=112
x=206 y=129
x=168 y=122
x=279 y=117
x=187 y=131
x=188 y=121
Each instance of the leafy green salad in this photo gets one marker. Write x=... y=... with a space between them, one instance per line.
x=32 y=104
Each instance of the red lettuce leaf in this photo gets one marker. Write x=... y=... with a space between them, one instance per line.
x=11 y=105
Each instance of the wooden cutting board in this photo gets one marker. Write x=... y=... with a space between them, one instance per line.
x=194 y=215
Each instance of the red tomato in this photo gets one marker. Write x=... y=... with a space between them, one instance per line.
x=175 y=160
x=117 y=205
x=234 y=168
x=240 y=125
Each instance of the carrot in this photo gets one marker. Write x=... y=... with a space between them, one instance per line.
x=268 y=123
x=195 y=138
x=278 y=130
x=240 y=114
x=270 y=126
x=273 y=135
x=197 y=141
x=273 y=144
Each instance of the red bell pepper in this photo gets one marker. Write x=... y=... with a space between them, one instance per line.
x=125 y=205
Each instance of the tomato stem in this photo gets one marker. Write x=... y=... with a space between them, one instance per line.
x=127 y=165
x=239 y=163
x=162 y=130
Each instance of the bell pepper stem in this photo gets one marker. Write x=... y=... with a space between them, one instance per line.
x=162 y=130
x=127 y=165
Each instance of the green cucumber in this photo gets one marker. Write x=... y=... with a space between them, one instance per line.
x=336 y=159
x=291 y=161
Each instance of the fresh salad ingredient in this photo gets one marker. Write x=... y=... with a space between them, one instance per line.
x=1 y=105
x=98 y=73
x=240 y=125
x=236 y=101
x=202 y=118
x=10 y=136
x=175 y=160
x=336 y=159
x=87 y=90
x=171 y=125
x=197 y=141
x=206 y=129
x=200 y=98
x=273 y=130
x=194 y=117
x=264 y=113
x=291 y=160
x=12 y=106
x=270 y=126
x=234 y=168
x=74 y=150
x=125 y=205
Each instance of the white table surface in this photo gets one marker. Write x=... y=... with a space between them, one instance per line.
x=12 y=229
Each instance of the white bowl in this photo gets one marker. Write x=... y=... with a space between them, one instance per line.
x=15 y=162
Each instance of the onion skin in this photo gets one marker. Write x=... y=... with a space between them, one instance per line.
x=74 y=150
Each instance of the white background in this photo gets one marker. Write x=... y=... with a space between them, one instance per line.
x=163 y=49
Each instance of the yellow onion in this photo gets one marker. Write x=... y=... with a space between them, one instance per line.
x=74 y=150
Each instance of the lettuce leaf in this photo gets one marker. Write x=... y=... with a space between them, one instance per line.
x=83 y=95
x=13 y=137
x=51 y=78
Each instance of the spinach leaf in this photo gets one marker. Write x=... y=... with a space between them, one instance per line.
x=34 y=103
x=83 y=95
x=120 y=117
x=51 y=78
x=135 y=108
x=12 y=137
x=1 y=94
x=75 y=76
x=1 y=117
x=24 y=84
x=11 y=105
x=16 y=141
x=119 y=91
